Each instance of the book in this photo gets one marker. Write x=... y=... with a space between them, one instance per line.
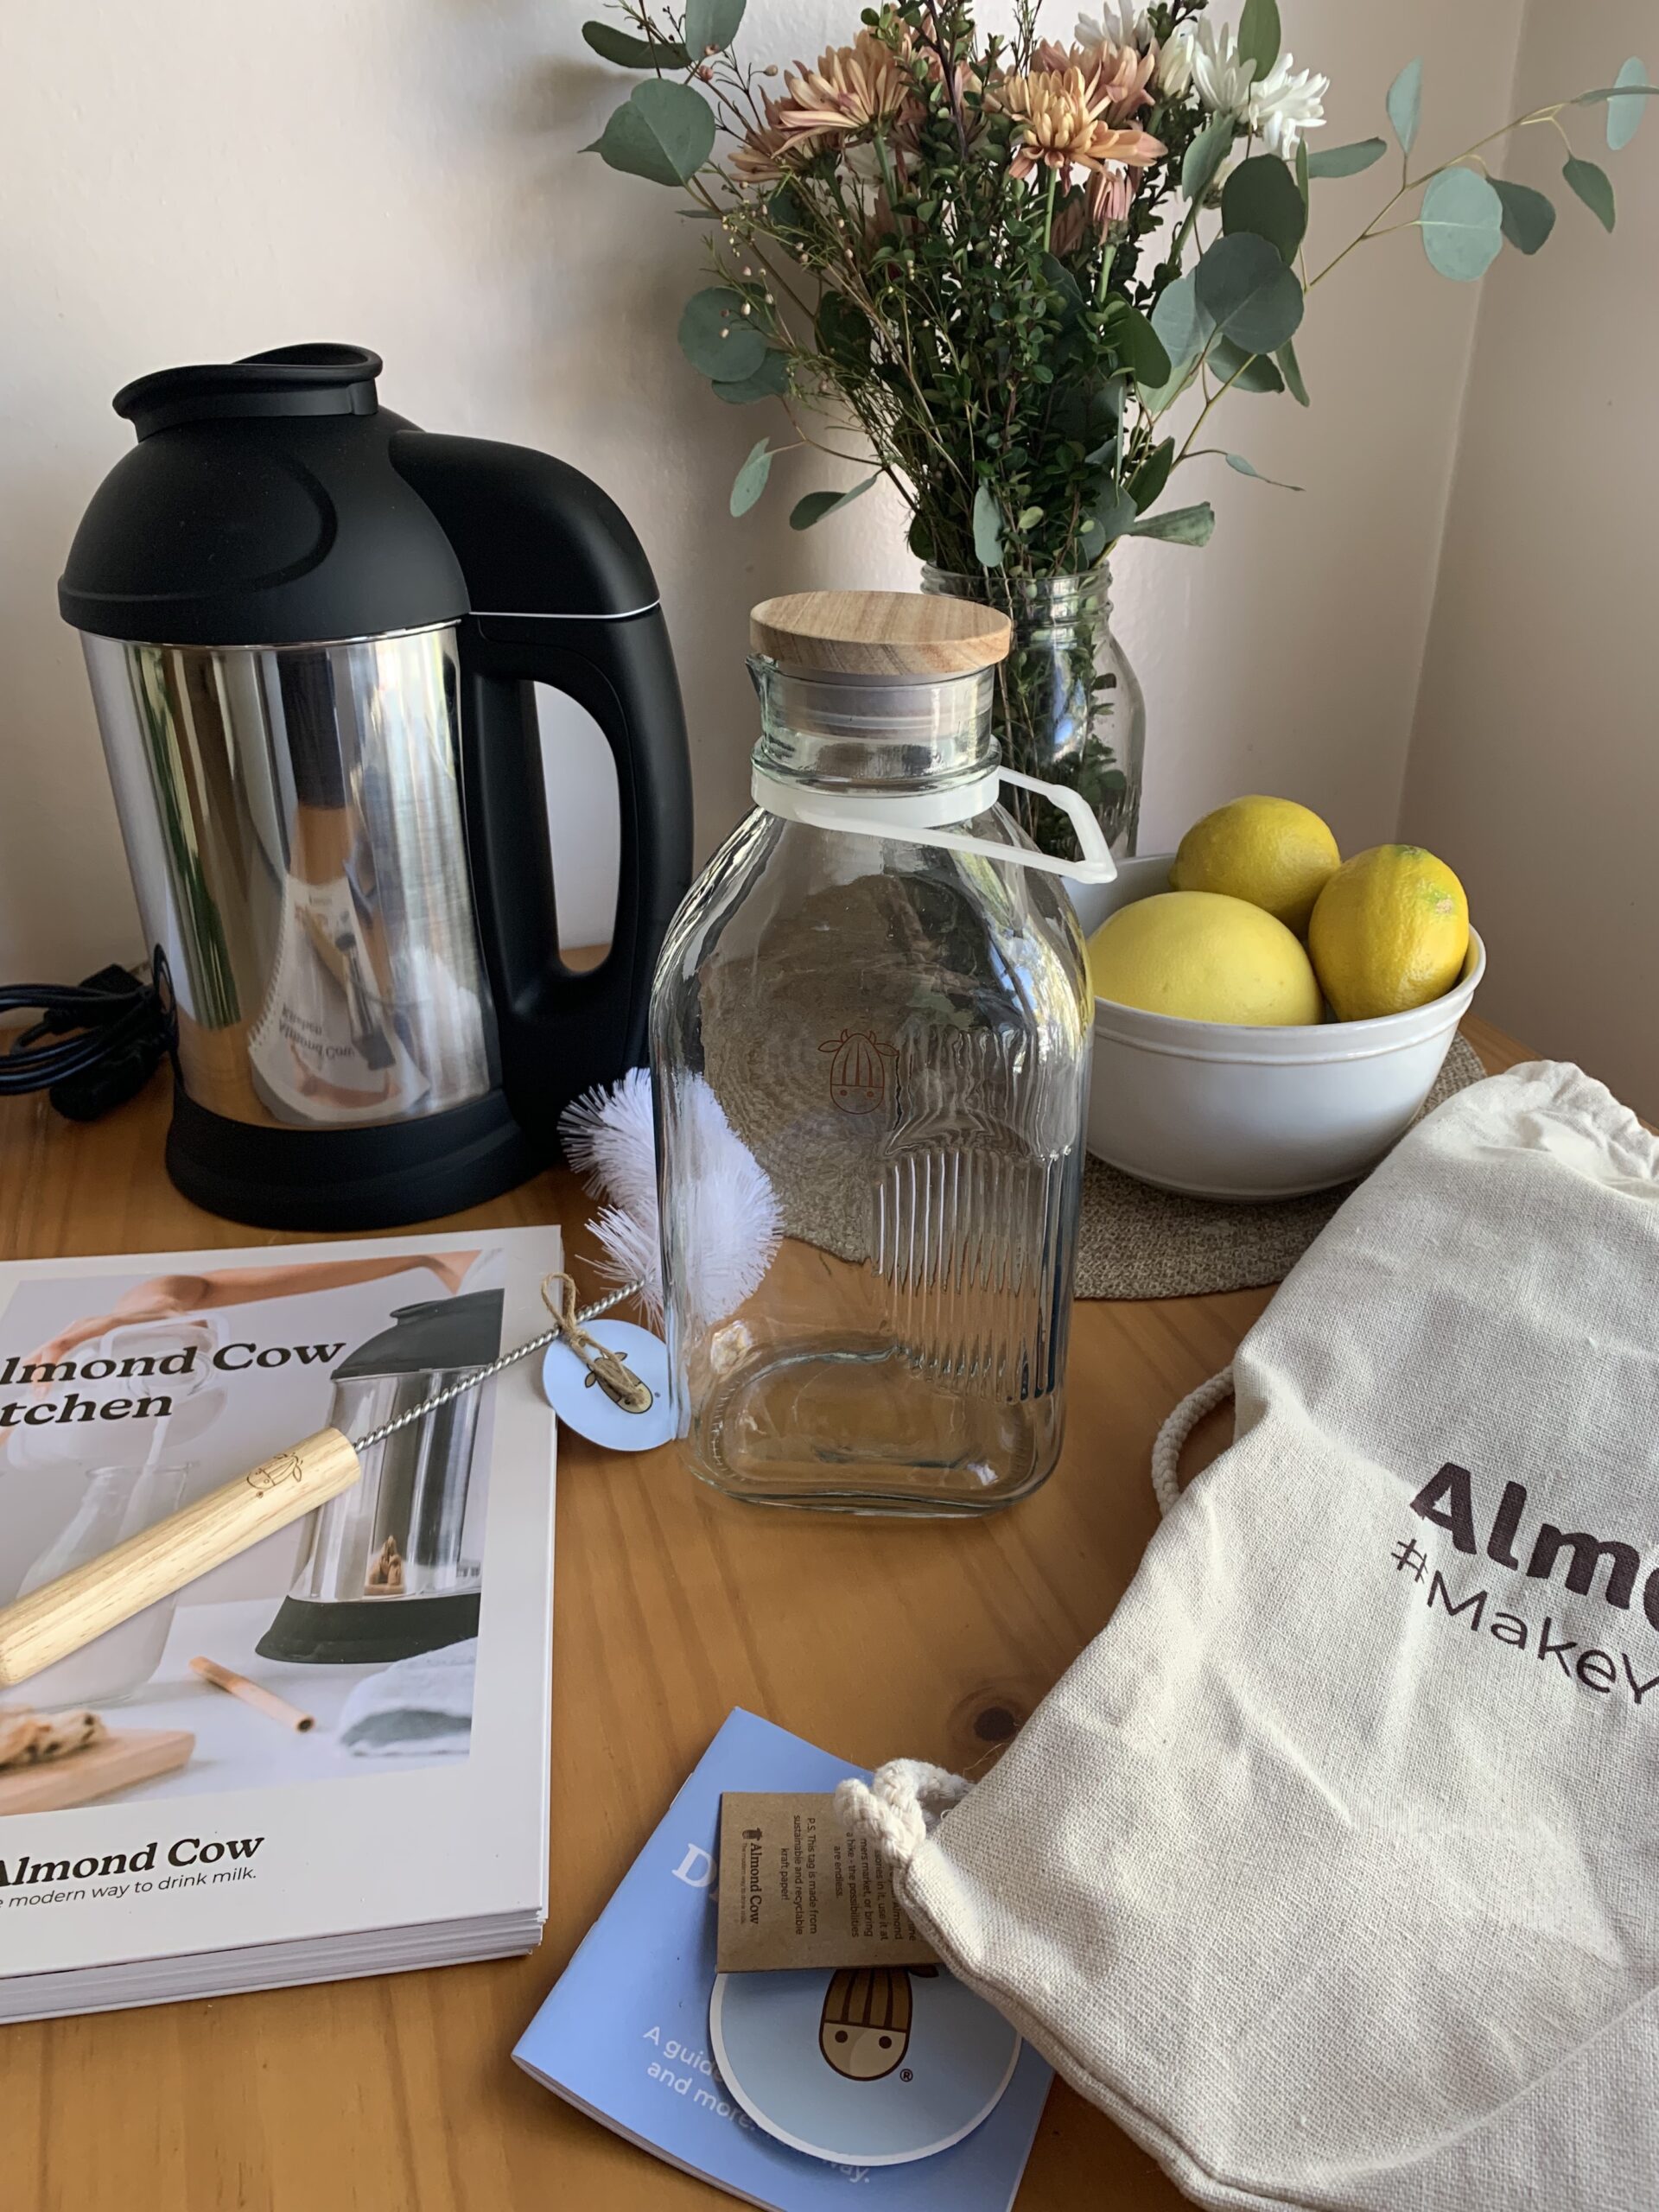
x=625 y=2033
x=384 y=1805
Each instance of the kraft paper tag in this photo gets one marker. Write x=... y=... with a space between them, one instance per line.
x=797 y=1889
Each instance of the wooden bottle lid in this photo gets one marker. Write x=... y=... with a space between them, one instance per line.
x=879 y=633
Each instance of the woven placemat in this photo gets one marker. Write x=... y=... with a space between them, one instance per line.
x=1136 y=1242
x=785 y=1053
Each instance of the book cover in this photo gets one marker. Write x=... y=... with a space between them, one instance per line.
x=625 y=2032
x=409 y=1619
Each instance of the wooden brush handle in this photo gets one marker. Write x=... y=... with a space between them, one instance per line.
x=59 y=1617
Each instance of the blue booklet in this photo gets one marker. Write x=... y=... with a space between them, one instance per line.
x=625 y=2033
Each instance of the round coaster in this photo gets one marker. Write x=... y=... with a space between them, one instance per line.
x=867 y=2067
x=581 y=1405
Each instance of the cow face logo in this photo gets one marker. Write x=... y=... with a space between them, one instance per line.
x=858 y=1070
x=270 y=1474
x=864 y=2028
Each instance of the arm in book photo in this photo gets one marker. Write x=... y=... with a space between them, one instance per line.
x=165 y=1296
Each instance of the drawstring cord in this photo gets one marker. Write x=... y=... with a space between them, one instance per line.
x=1167 y=1452
x=897 y=1808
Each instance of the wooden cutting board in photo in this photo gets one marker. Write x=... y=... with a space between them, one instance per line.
x=121 y=1759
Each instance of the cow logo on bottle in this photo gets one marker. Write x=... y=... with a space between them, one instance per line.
x=858 y=1070
x=285 y=1468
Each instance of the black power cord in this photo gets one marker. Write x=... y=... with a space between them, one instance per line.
x=96 y=1044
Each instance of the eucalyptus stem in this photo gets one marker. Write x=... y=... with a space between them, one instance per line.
x=901 y=225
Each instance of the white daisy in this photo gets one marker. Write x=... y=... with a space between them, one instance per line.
x=1284 y=104
x=1222 y=79
x=1174 y=72
x=1120 y=23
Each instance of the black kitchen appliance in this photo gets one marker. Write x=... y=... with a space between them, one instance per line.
x=390 y=1567
x=312 y=630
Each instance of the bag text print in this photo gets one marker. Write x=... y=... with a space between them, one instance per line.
x=1448 y=1502
x=1597 y=1669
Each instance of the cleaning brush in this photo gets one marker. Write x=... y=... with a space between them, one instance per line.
x=728 y=1223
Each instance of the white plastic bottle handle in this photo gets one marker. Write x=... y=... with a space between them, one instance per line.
x=920 y=818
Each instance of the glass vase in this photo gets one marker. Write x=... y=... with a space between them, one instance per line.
x=1069 y=707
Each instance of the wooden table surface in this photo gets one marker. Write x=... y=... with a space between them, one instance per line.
x=672 y=1605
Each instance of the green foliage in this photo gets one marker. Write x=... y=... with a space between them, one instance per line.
x=1237 y=460
x=1148 y=480
x=1261 y=197
x=1624 y=114
x=1462 y=221
x=1205 y=156
x=1594 y=186
x=1013 y=348
x=751 y=480
x=1258 y=35
x=661 y=131
x=770 y=381
x=1142 y=350
x=1181 y=321
x=1346 y=161
x=1291 y=370
x=1529 y=216
x=1113 y=514
x=814 y=507
x=711 y=25
x=1241 y=371
x=1244 y=286
x=988 y=529
x=719 y=336
x=634 y=52
x=843 y=332
x=1176 y=525
x=1405 y=104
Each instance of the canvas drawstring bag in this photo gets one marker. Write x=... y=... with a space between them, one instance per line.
x=1330 y=1868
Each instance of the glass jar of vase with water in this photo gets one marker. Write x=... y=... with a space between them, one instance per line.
x=1068 y=706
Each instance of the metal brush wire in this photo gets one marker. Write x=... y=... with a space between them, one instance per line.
x=488 y=1374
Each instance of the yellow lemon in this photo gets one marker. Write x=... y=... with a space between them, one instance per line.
x=1390 y=932
x=1271 y=851
x=1206 y=957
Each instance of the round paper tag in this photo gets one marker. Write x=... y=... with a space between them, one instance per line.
x=867 y=2067
x=581 y=1404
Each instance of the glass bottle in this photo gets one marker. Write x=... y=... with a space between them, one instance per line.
x=1069 y=707
x=870 y=1033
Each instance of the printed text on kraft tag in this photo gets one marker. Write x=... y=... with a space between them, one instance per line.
x=796 y=1890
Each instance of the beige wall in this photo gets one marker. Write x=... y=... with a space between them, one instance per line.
x=193 y=180
x=1535 y=763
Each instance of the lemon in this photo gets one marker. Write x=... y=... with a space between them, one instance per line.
x=1391 y=931
x=1204 y=956
x=1271 y=851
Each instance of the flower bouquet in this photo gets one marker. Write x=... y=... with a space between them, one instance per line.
x=1026 y=273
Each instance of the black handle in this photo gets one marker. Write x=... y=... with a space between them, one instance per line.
x=562 y=595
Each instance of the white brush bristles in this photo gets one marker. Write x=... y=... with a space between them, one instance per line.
x=609 y=1139
x=728 y=1222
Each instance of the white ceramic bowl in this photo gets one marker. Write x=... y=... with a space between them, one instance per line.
x=1222 y=1111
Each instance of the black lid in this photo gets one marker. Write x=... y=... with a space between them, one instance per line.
x=260 y=506
x=288 y=380
x=441 y=1333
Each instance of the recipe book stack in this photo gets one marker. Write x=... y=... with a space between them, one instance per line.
x=390 y=1808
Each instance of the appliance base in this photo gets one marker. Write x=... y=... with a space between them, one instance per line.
x=367 y=1632
x=338 y=1180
